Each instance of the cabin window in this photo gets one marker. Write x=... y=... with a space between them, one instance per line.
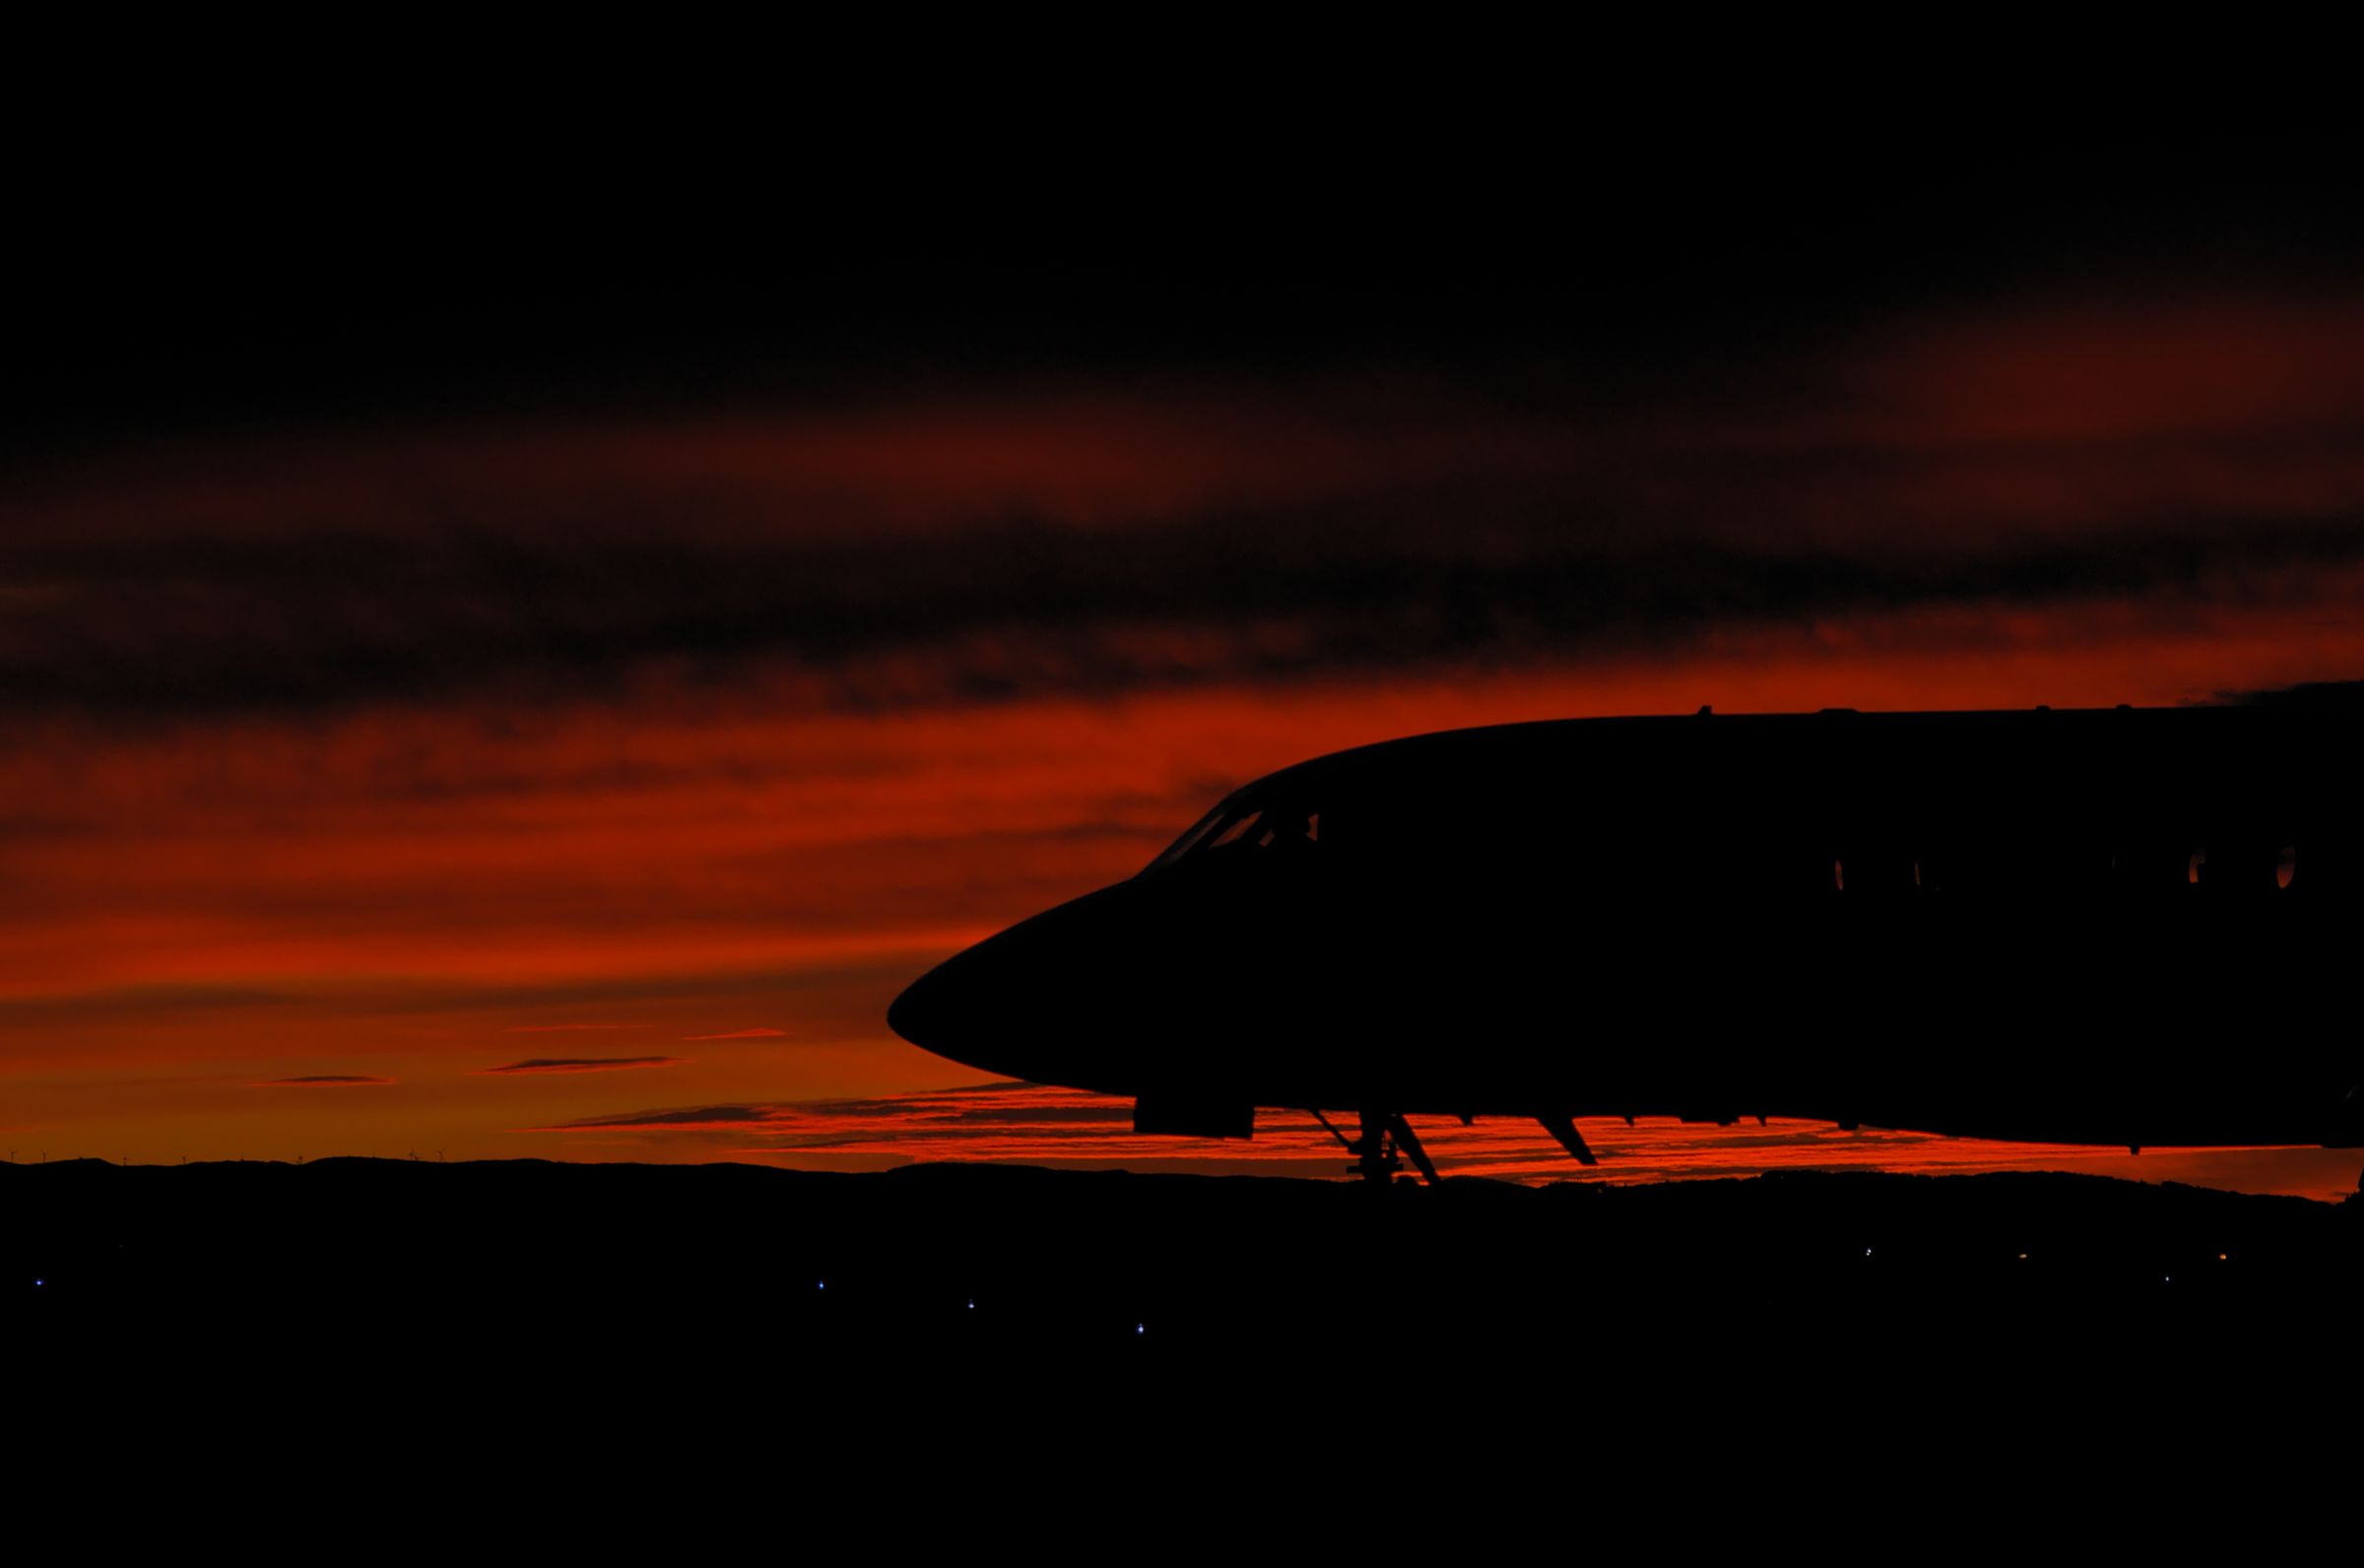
x=1745 y=866
x=2243 y=867
x=1874 y=871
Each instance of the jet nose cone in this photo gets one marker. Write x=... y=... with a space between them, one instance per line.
x=1031 y=1003
x=919 y=1014
x=962 y=1009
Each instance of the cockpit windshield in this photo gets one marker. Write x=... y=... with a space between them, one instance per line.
x=1242 y=823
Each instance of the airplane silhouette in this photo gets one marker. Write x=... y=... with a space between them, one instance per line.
x=2128 y=926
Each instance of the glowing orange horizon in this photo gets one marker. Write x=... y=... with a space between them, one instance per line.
x=1035 y=1124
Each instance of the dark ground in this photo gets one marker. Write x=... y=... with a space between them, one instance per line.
x=561 y=1340
x=533 y=1260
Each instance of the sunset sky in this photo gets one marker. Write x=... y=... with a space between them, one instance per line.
x=546 y=699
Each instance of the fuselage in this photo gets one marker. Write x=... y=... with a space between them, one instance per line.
x=2132 y=927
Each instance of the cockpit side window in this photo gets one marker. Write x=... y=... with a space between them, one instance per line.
x=1287 y=828
x=1244 y=823
x=1194 y=835
x=1235 y=830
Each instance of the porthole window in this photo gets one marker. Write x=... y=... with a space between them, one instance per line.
x=1874 y=871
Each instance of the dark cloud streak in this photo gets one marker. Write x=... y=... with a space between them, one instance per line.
x=1521 y=536
x=580 y=1064
x=327 y=1081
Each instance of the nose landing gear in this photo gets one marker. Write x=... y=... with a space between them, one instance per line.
x=1379 y=1152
